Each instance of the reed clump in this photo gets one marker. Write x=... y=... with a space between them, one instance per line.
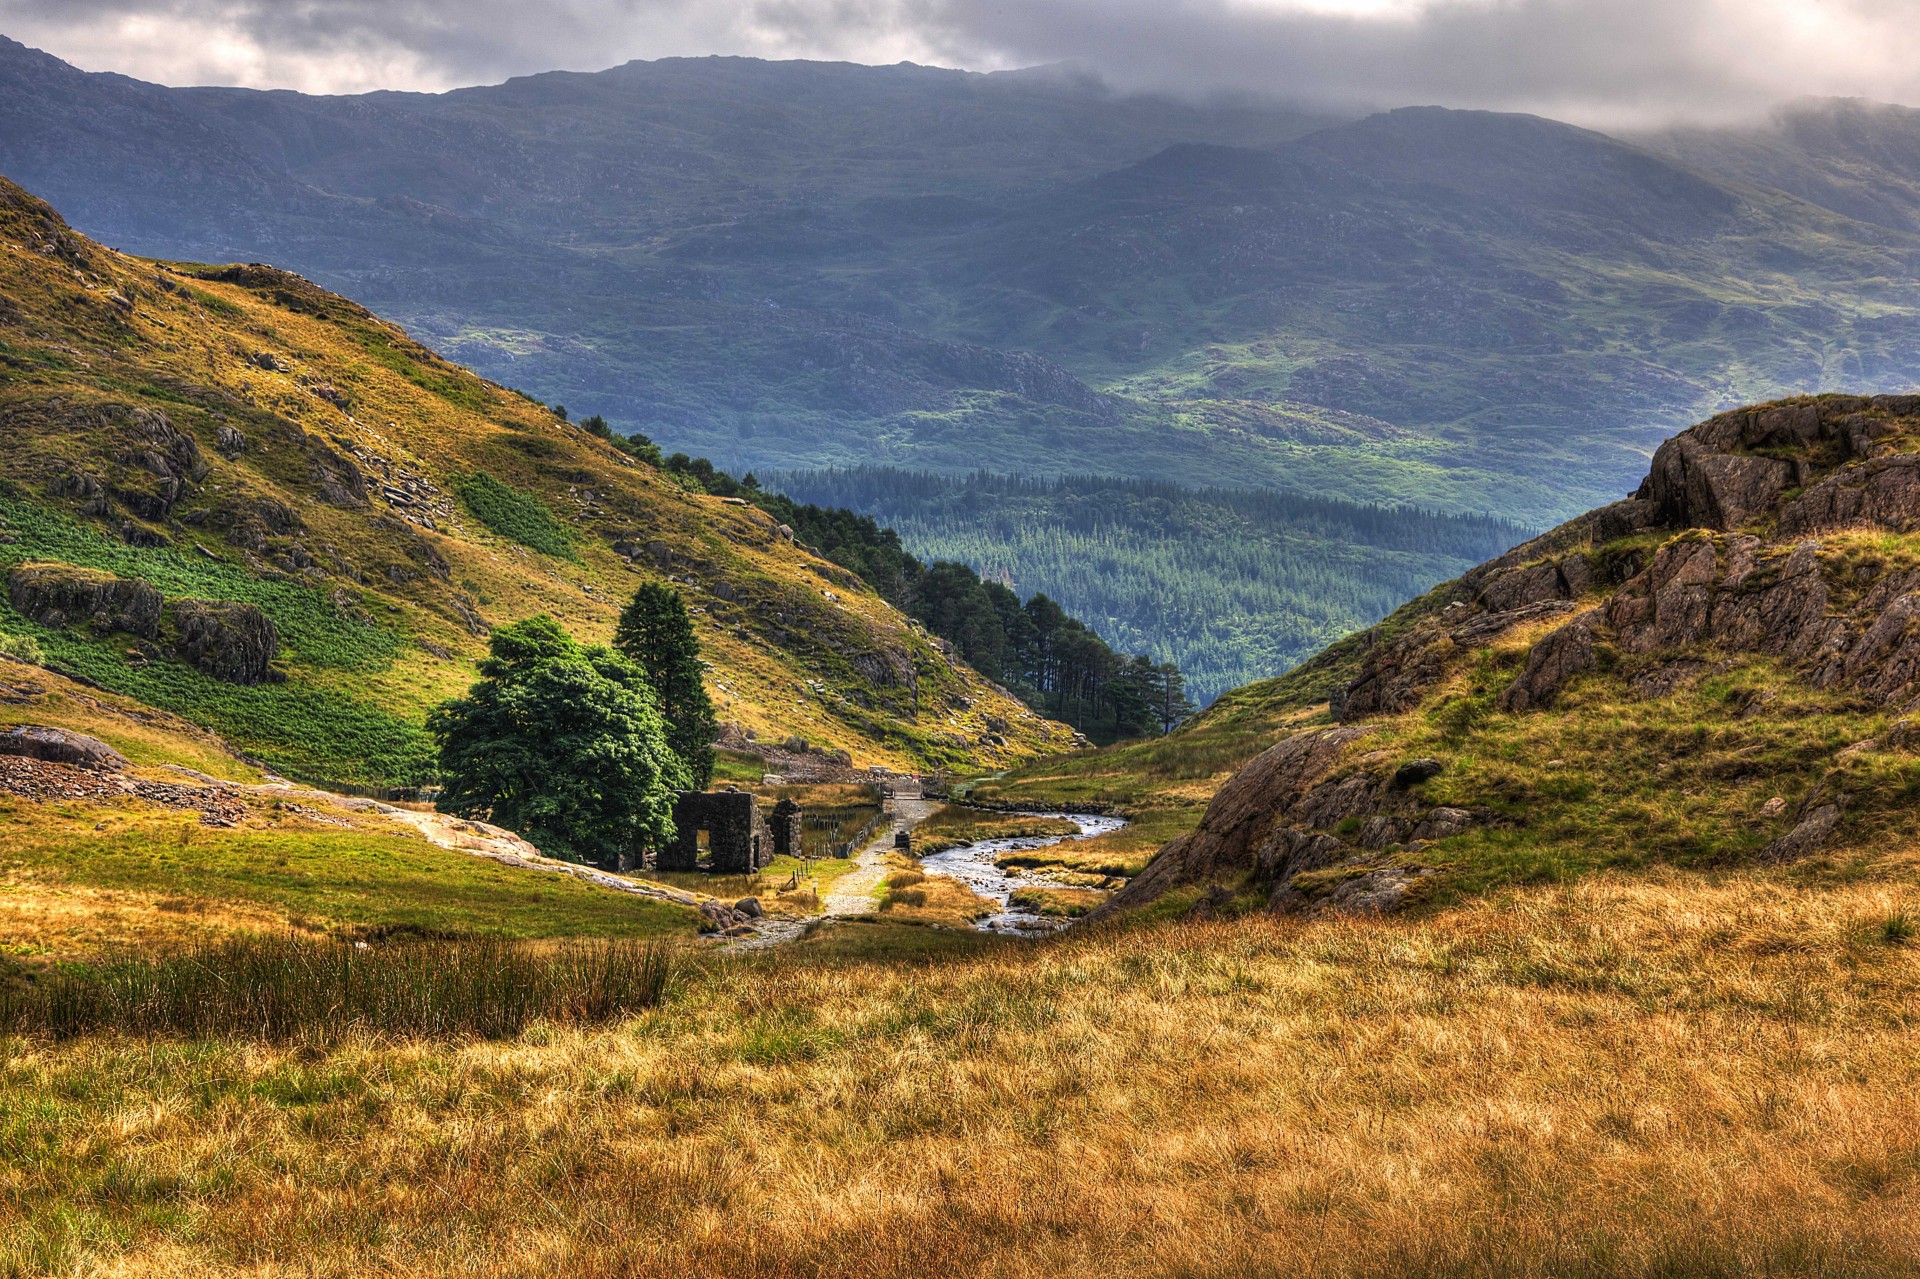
x=282 y=988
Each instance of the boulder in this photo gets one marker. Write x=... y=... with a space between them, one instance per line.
x=1809 y=835
x=750 y=907
x=61 y=746
x=1416 y=771
x=232 y=642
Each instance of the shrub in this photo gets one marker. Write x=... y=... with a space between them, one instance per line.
x=22 y=648
x=514 y=514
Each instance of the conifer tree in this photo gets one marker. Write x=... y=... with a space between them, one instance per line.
x=657 y=635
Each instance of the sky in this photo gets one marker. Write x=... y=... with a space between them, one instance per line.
x=1606 y=62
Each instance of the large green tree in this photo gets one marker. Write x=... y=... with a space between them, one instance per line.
x=656 y=633
x=562 y=743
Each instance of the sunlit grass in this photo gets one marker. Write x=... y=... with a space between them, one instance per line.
x=1657 y=1074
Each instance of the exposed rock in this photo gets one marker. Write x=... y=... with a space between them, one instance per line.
x=65 y=595
x=232 y=642
x=1443 y=823
x=229 y=442
x=718 y=917
x=61 y=746
x=1479 y=630
x=1807 y=837
x=1378 y=892
x=1696 y=487
x=1553 y=661
x=1243 y=815
x=338 y=481
x=750 y=907
x=1416 y=771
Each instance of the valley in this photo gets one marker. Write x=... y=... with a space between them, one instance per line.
x=1034 y=681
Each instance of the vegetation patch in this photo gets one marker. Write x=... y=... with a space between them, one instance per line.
x=321 y=990
x=515 y=514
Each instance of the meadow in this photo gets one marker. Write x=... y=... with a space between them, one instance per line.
x=1668 y=1073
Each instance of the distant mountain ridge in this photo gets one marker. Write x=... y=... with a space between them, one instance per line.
x=789 y=266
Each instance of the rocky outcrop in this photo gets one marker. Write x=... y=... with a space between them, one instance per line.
x=229 y=641
x=1719 y=554
x=1556 y=659
x=232 y=642
x=61 y=746
x=1301 y=808
x=61 y=595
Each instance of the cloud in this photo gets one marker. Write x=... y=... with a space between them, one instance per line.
x=1604 y=61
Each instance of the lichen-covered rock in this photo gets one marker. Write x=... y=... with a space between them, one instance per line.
x=62 y=595
x=232 y=642
x=61 y=746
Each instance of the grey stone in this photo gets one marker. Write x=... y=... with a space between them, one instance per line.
x=61 y=746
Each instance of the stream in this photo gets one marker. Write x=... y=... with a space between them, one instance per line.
x=973 y=865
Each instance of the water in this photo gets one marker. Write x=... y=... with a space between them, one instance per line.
x=973 y=866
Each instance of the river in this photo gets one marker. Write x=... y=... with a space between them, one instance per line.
x=974 y=865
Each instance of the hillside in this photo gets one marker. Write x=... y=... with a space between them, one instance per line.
x=1718 y=671
x=233 y=496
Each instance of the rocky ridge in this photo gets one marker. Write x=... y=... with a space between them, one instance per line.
x=1768 y=534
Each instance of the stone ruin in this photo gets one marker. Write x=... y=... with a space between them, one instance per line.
x=739 y=839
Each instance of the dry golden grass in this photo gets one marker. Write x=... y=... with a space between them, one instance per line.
x=910 y=896
x=1662 y=1074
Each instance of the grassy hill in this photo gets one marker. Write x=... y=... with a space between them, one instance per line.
x=249 y=446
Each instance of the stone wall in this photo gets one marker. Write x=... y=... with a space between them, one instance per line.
x=738 y=837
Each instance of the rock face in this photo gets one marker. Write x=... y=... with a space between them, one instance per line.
x=62 y=595
x=1719 y=554
x=232 y=642
x=61 y=746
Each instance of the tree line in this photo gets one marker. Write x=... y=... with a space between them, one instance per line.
x=1050 y=660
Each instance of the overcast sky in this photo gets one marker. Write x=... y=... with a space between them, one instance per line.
x=1597 y=61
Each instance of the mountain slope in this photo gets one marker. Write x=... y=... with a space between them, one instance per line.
x=232 y=495
x=1718 y=670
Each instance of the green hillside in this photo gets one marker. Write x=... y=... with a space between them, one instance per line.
x=1232 y=585
x=231 y=495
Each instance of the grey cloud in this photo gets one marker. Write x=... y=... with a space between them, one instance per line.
x=1610 y=61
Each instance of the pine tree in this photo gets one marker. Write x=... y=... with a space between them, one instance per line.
x=656 y=633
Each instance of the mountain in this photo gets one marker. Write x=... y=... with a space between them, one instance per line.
x=798 y=264
x=1856 y=158
x=790 y=266
x=1719 y=670
x=235 y=497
